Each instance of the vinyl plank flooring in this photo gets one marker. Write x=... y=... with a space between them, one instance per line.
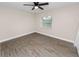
x=37 y=45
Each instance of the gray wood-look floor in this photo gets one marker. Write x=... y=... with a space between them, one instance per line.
x=37 y=45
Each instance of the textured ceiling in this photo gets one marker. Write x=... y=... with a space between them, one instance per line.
x=19 y=5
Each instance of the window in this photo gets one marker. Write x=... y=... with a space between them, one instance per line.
x=47 y=22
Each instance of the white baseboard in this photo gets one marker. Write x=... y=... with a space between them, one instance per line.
x=36 y=32
x=16 y=36
x=56 y=37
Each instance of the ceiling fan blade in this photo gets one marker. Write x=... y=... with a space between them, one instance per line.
x=42 y=4
x=41 y=8
x=33 y=8
x=28 y=5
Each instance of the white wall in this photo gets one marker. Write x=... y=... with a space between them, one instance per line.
x=64 y=24
x=15 y=22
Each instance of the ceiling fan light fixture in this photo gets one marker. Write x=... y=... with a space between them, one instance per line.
x=36 y=7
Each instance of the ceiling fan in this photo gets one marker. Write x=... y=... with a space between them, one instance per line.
x=37 y=5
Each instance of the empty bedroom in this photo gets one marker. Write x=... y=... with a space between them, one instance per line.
x=39 y=29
